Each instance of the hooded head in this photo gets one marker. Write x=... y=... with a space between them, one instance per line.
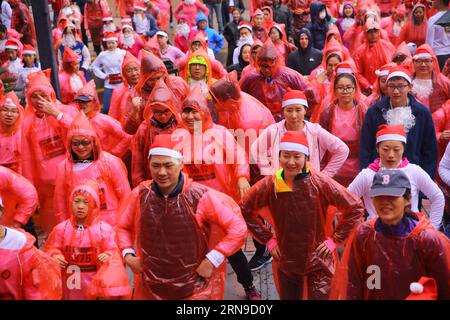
x=316 y=10
x=226 y=93
x=402 y=54
x=130 y=69
x=307 y=33
x=10 y=102
x=196 y=101
x=422 y=53
x=90 y=191
x=161 y=99
x=81 y=129
x=198 y=37
x=343 y=6
x=39 y=84
x=414 y=15
x=152 y=68
x=152 y=46
x=201 y=18
x=199 y=57
x=87 y=99
x=267 y=59
x=69 y=58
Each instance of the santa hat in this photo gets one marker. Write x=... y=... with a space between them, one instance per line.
x=12 y=44
x=164 y=145
x=125 y=19
x=399 y=71
x=395 y=132
x=294 y=97
x=110 y=36
x=371 y=24
x=384 y=70
x=9 y=103
x=140 y=5
x=27 y=49
x=162 y=33
x=70 y=56
x=344 y=67
x=294 y=141
x=107 y=17
x=258 y=12
x=422 y=52
x=278 y=27
x=425 y=289
x=246 y=25
x=127 y=25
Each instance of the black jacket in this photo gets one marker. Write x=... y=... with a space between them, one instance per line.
x=282 y=14
x=226 y=9
x=231 y=34
x=306 y=60
x=318 y=29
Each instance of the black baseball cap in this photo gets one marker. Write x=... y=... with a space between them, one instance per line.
x=389 y=183
x=82 y=98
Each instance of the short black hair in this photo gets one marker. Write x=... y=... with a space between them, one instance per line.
x=3 y=28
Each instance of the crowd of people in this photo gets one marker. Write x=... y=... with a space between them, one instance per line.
x=323 y=135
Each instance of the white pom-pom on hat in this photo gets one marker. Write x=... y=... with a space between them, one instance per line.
x=416 y=287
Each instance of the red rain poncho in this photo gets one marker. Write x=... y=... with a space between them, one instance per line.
x=43 y=141
x=441 y=84
x=412 y=32
x=121 y=93
x=11 y=137
x=223 y=161
x=67 y=80
x=391 y=26
x=108 y=170
x=376 y=92
x=369 y=58
x=28 y=273
x=403 y=50
x=284 y=48
x=218 y=71
x=93 y=15
x=173 y=235
x=270 y=91
x=109 y=131
x=22 y=22
x=400 y=261
x=150 y=65
x=19 y=198
x=441 y=119
x=80 y=244
x=301 y=224
x=161 y=98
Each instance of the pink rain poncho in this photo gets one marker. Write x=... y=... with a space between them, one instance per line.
x=270 y=90
x=121 y=93
x=109 y=131
x=80 y=244
x=160 y=99
x=11 y=135
x=413 y=31
x=400 y=261
x=43 y=140
x=108 y=170
x=20 y=198
x=151 y=65
x=173 y=236
x=28 y=273
x=220 y=162
x=70 y=82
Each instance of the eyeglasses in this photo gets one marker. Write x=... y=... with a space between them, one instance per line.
x=423 y=61
x=84 y=143
x=5 y=111
x=398 y=86
x=345 y=89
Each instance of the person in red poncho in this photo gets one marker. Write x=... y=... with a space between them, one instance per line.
x=379 y=87
x=441 y=119
x=22 y=22
x=304 y=243
x=394 y=23
x=385 y=255
x=27 y=273
x=44 y=131
x=85 y=244
x=130 y=71
x=93 y=13
x=415 y=29
x=371 y=55
x=175 y=233
x=429 y=86
x=277 y=34
x=71 y=78
x=259 y=30
x=270 y=81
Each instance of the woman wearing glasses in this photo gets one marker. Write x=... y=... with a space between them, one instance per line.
x=85 y=160
x=343 y=118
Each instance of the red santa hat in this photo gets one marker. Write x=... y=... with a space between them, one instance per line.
x=140 y=5
x=399 y=71
x=70 y=56
x=279 y=27
x=110 y=36
x=258 y=12
x=294 y=97
x=384 y=70
x=12 y=44
x=422 y=52
x=164 y=145
x=294 y=141
x=246 y=25
x=396 y=133
x=425 y=289
x=127 y=25
x=344 y=67
x=107 y=17
x=27 y=49
x=126 y=19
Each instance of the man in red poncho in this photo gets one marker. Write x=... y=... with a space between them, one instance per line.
x=372 y=55
x=304 y=243
x=259 y=30
x=183 y=231
x=22 y=21
x=94 y=11
x=270 y=81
